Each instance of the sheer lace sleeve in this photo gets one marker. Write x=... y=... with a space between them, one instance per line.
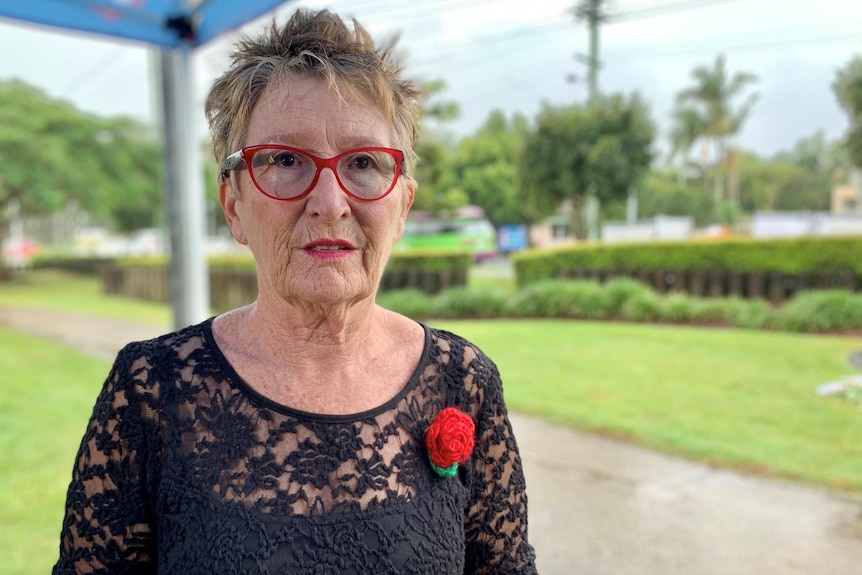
x=496 y=520
x=107 y=527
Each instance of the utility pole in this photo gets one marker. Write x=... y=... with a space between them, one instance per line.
x=594 y=13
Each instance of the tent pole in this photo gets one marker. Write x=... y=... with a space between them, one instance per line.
x=188 y=274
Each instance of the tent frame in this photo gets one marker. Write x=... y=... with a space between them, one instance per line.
x=188 y=272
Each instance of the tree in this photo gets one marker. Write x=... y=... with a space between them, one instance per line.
x=599 y=150
x=848 y=89
x=53 y=153
x=800 y=179
x=130 y=161
x=485 y=167
x=436 y=190
x=779 y=185
x=709 y=106
x=687 y=126
x=215 y=221
x=661 y=193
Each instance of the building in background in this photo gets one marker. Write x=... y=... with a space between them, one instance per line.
x=847 y=198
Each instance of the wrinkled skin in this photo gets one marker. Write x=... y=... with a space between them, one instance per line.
x=306 y=114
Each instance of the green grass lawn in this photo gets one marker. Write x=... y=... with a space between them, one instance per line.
x=734 y=398
x=52 y=289
x=47 y=395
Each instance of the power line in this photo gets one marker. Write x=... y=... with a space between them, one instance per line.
x=543 y=31
x=746 y=47
x=548 y=34
x=489 y=87
x=664 y=9
x=86 y=75
x=411 y=11
x=107 y=82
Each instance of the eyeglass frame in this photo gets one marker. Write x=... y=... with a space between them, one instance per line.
x=247 y=153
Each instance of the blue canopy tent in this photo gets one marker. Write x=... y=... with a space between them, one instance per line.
x=175 y=27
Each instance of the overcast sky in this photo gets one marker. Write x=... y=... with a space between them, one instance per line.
x=515 y=54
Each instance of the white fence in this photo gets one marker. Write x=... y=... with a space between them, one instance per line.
x=800 y=224
x=659 y=228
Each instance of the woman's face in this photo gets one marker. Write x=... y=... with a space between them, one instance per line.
x=326 y=248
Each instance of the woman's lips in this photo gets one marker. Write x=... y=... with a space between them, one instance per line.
x=329 y=249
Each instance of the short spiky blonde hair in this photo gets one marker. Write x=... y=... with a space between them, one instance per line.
x=311 y=44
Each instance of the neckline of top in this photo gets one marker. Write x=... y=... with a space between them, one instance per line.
x=238 y=382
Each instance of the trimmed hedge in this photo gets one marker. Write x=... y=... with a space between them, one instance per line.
x=429 y=271
x=82 y=266
x=429 y=261
x=233 y=278
x=816 y=255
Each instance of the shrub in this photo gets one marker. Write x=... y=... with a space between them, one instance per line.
x=645 y=306
x=794 y=319
x=821 y=310
x=749 y=314
x=631 y=300
x=679 y=307
x=620 y=289
x=466 y=302
x=413 y=303
x=711 y=310
x=533 y=300
x=561 y=298
x=588 y=299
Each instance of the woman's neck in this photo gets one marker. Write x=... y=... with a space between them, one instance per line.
x=313 y=332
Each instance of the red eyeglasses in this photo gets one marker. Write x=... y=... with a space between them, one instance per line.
x=286 y=173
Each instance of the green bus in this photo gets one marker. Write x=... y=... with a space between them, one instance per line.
x=466 y=234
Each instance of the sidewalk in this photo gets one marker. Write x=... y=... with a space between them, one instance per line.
x=603 y=507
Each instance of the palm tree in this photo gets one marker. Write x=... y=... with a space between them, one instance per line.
x=687 y=127
x=710 y=100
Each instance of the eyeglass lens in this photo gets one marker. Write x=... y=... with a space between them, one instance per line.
x=283 y=173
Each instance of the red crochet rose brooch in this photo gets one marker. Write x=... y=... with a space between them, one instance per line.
x=449 y=440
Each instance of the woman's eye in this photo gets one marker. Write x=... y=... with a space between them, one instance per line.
x=363 y=162
x=282 y=160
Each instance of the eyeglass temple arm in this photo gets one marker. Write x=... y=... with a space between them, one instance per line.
x=230 y=163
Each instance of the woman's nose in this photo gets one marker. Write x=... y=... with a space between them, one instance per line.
x=327 y=200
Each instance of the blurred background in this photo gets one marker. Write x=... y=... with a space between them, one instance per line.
x=648 y=212
x=731 y=118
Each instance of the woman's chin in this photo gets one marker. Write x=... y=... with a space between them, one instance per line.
x=335 y=290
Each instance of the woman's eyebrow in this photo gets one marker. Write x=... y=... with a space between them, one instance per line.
x=310 y=143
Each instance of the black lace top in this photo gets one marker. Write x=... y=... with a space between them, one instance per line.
x=185 y=469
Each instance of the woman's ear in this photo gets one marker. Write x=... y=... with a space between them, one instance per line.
x=408 y=202
x=227 y=197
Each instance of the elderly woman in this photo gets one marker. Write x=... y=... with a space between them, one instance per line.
x=311 y=431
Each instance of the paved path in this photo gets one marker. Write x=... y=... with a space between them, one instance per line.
x=602 y=507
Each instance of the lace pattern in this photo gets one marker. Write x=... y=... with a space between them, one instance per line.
x=185 y=469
